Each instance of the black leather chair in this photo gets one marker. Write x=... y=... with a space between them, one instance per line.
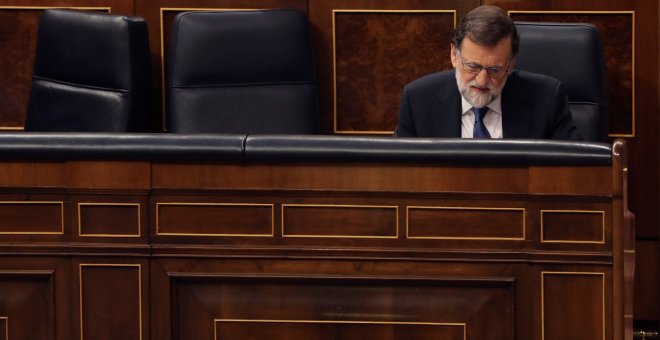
x=241 y=72
x=572 y=53
x=91 y=73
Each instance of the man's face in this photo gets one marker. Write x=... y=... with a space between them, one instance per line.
x=481 y=71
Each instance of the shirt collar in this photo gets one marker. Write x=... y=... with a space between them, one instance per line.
x=495 y=105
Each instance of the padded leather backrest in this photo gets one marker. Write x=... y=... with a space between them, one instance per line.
x=572 y=53
x=241 y=72
x=91 y=73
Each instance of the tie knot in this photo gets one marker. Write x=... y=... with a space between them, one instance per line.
x=479 y=113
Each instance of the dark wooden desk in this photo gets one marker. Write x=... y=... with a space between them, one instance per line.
x=157 y=249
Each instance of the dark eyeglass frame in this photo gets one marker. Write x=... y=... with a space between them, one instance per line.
x=492 y=71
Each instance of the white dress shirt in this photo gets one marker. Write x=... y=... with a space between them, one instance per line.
x=492 y=120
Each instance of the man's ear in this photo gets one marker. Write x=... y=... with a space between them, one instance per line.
x=512 y=65
x=452 y=55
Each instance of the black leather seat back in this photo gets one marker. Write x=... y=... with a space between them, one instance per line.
x=91 y=73
x=241 y=72
x=572 y=53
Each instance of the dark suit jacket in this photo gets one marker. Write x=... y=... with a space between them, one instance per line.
x=534 y=106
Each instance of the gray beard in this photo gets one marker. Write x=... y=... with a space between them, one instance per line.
x=475 y=99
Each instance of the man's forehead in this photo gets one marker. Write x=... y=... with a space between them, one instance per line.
x=502 y=50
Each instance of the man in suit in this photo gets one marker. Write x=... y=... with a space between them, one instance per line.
x=483 y=96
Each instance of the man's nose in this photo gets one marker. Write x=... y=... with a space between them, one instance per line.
x=482 y=77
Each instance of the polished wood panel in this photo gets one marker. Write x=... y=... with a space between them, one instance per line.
x=110 y=216
x=422 y=178
x=558 y=179
x=466 y=223
x=214 y=219
x=26 y=300
x=16 y=174
x=18 y=32
x=108 y=175
x=573 y=226
x=348 y=308
x=585 y=294
x=4 y=328
x=311 y=220
x=375 y=54
x=31 y=217
x=110 y=311
x=35 y=294
x=109 y=219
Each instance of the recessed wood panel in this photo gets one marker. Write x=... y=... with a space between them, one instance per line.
x=110 y=301
x=375 y=54
x=328 y=330
x=573 y=305
x=466 y=223
x=4 y=328
x=31 y=217
x=262 y=307
x=339 y=221
x=109 y=219
x=26 y=305
x=214 y=219
x=618 y=31
x=572 y=226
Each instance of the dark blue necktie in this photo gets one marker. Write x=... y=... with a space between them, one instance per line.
x=480 y=130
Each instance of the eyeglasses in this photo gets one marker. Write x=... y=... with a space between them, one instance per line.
x=474 y=68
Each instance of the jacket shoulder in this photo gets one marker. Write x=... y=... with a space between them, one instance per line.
x=534 y=79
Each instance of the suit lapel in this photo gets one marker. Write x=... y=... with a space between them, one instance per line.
x=515 y=113
x=447 y=111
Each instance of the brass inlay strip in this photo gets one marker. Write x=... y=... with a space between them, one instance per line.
x=139 y=223
x=632 y=13
x=543 y=273
x=602 y=236
x=80 y=285
x=162 y=46
x=61 y=232
x=5 y=320
x=334 y=60
x=521 y=238
x=396 y=208
x=354 y=322
x=272 y=217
